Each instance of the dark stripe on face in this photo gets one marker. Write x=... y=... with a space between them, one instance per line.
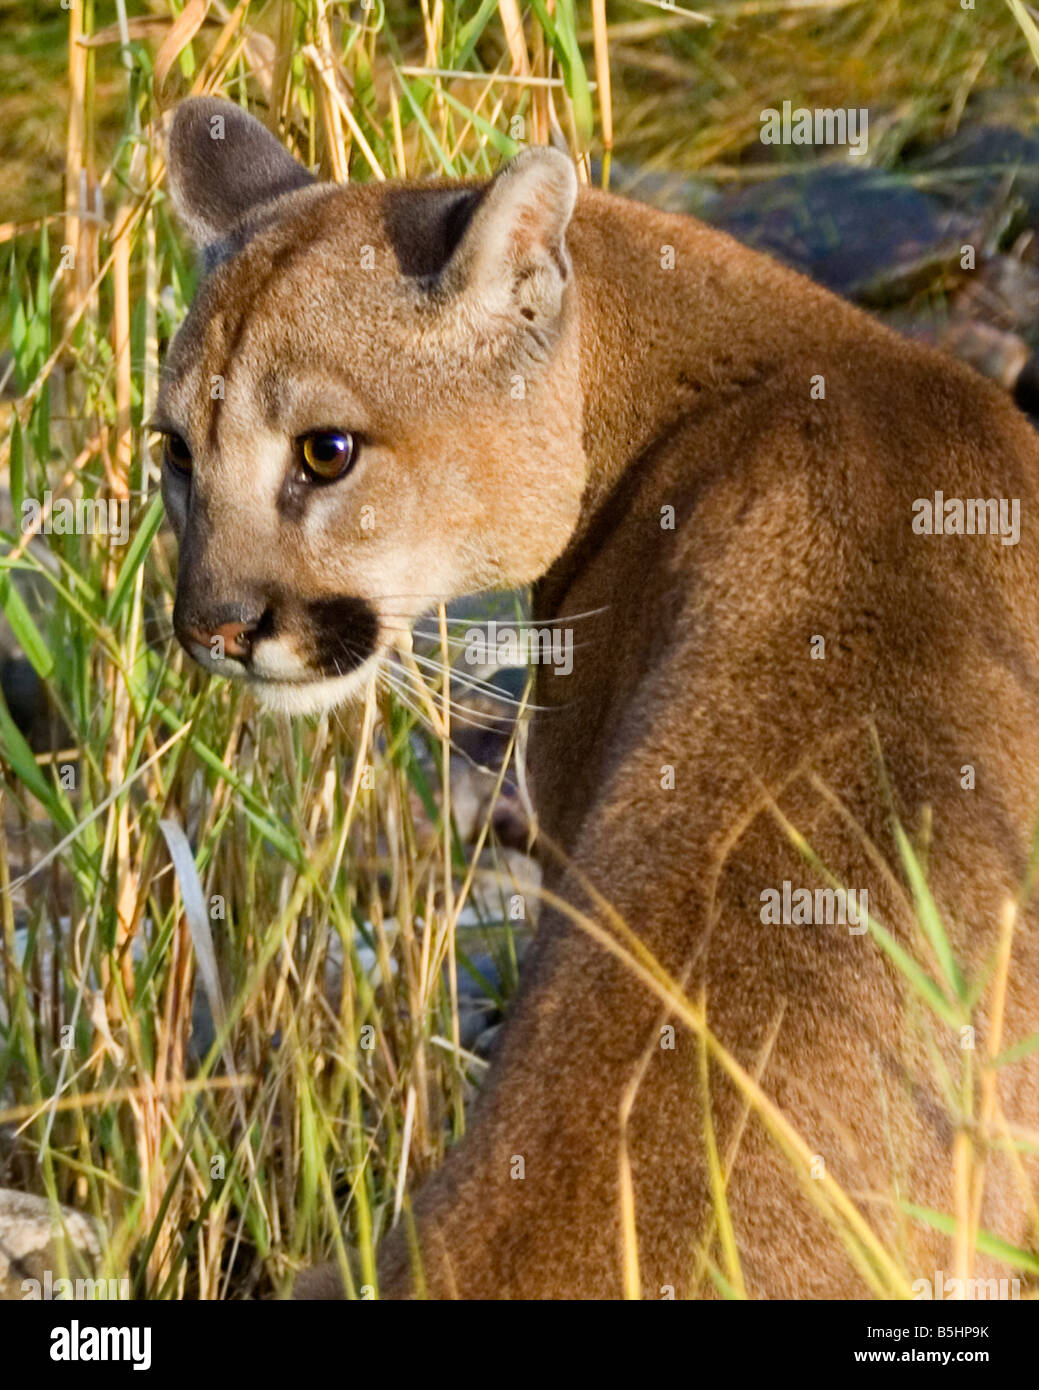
x=343 y=633
x=281 y=260
x=237 y=333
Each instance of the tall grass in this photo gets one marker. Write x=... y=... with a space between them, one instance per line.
x=312 y=875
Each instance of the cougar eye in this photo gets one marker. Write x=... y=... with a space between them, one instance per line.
x=176 y=454
x=326 y=455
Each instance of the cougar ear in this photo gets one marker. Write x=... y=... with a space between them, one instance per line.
x=512 y=255
x=222 y=163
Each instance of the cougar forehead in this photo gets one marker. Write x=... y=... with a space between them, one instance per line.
x=317 y=292
x=431 y=328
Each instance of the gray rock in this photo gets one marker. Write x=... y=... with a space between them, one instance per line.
x=34 y=1245
x=981 y=164
x=479 y=986
x=862 y=233
x=487 y=1043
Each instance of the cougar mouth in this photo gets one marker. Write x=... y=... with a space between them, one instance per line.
x=330 y=657
x=298 y=656
x=316 y=694
x=339 y=634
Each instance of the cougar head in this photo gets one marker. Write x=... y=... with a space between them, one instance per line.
x=372 y=405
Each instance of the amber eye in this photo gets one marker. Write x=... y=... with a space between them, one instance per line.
x=176 y=454
x=326 y=455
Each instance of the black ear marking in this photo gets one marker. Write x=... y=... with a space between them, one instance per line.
x=505 y=236
x=222 y=164
x=425 y=225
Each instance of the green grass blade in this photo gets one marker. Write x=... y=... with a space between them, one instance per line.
x=929 y=917
x=139 y=546
x=987 y=1243
x=28 y=635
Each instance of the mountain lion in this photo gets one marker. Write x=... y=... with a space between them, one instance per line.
x=810 y=552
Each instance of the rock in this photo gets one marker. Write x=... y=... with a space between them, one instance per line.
x=1003 y=357
x=864 y=234
x=1003 y=292
x=996 y=354
x=474 y=1018
x=479 y=977
x=479 y=990
x=507 y=887
x=984 y=163
x=471 y=790
x=470 y=798
x=34 y=1245
x=486 y=1044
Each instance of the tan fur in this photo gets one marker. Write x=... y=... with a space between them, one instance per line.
x=646 y=388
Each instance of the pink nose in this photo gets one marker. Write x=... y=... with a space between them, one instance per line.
x=235 y=639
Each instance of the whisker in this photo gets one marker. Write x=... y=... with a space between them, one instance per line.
x=519 y=622
x=475 y=684
x=462 y=713
x=459 y=715
x=394 y=686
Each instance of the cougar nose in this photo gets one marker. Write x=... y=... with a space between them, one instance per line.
x=236 y=639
